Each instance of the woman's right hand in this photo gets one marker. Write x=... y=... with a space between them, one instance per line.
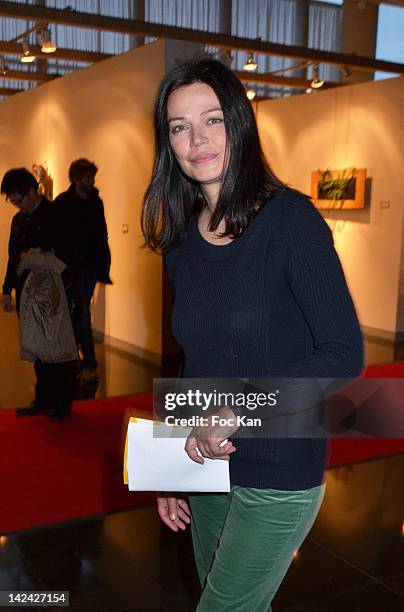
x=173 y=511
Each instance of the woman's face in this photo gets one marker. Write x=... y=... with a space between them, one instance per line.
x=197 y=132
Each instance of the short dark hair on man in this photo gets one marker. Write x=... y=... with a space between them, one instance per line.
x=19 y=180
x=171 y=197
x=81 y=167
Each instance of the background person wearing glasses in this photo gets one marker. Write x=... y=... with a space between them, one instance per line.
x=35 y=226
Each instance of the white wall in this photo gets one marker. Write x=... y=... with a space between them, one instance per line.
x=400 y=301
x=103 y=113
x=362 y=126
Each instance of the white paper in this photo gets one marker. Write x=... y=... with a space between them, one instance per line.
x=161 y=463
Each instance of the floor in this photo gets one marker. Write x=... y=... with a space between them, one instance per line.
x=352 y=561
x=121 y=373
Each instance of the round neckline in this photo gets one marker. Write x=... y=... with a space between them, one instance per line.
x=208 y=241
x=219 y=252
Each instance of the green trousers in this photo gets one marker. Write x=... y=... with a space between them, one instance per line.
x=244 y=543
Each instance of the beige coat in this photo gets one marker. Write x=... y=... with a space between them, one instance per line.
x=46 y=331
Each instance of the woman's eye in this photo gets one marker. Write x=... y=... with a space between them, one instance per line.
x=214 y=120
x=177 y=129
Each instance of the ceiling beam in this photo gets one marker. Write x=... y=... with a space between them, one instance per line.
x=276 y=79
x=140 y=28
x=8 y=91
x=262 y=98
x=90 y=57
x=24 y=75
x=245 y=77
x=394 y=2
x=71 y=55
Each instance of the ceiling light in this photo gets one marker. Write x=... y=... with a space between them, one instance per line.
x=250 y=65
x=251 y=93
x=228 y=58
x=44 y=39
x=223 y=56
x=316 y=82
x=26 y=57
x=345 y=72
x=3 y=67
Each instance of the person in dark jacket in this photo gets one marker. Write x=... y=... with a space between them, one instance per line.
x=84 y=248
x=259 y=293
x=35 y=226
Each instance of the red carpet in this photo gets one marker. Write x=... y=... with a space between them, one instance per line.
x=344 y=451
x=51 y=473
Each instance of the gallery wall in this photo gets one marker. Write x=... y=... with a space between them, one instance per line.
x=103 y=113
x=358 y=126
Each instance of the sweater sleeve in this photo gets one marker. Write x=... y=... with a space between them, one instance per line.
x=11 y=273
x=103 y=253
x=316 y=279
x=318 y=284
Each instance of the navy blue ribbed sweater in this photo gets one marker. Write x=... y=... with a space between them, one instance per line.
x=273 y=302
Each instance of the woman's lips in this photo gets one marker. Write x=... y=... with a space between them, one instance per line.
x=202 y=159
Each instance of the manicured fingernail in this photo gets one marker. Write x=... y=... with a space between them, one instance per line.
x=172 y=517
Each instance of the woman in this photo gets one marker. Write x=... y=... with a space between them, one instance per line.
x=259 y=293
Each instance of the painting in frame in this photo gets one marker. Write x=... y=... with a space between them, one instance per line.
x=339 y=189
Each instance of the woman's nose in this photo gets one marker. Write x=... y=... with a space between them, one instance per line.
x=198 y=137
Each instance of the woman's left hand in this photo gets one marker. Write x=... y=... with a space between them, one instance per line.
x=208 y=439
x=173 y=511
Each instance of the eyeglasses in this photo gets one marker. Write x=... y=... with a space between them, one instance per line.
x=17 y=200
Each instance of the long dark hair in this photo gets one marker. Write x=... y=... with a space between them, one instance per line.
x=171 y=197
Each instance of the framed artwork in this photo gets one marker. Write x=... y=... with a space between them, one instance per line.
x=339 y=189
x=44 y=179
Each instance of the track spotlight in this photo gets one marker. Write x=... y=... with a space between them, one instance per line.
x=345 y=72
x=228 y=59
x=316 y=82
x=26 y=57
x=3 y=67
x=45 y=40
x=250 y=65
x=223 y=56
